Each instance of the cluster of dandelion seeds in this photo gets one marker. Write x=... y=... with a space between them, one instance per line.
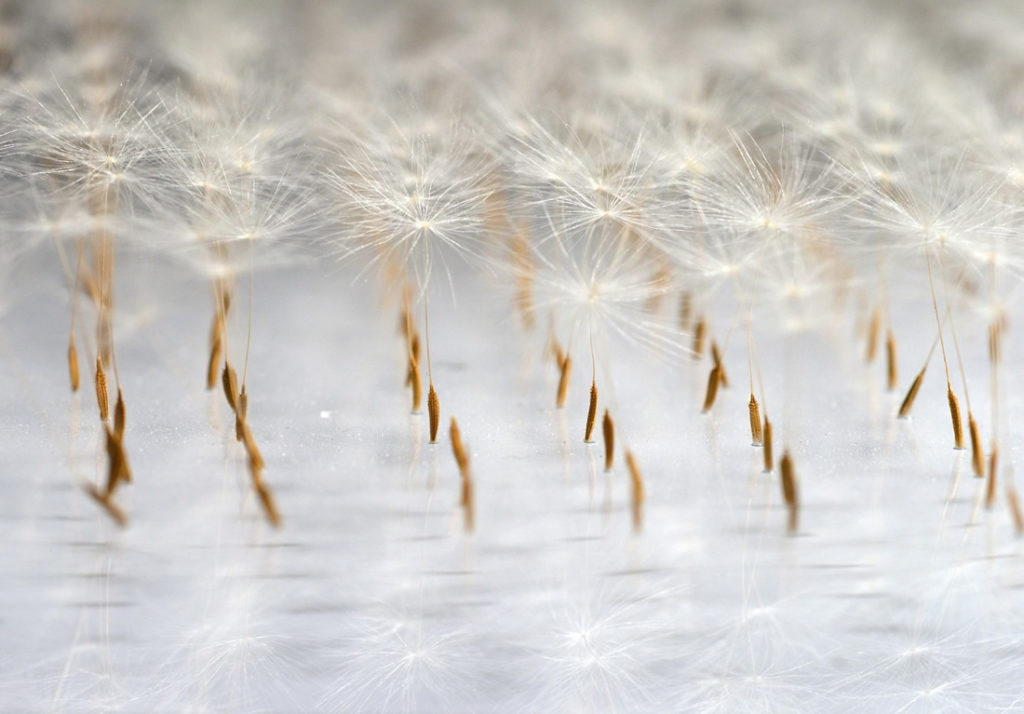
x=451 y=356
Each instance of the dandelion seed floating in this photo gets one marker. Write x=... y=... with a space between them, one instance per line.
x=756 y=431
x=563 y=382
x=637 y=495
x=73 y=363
x=716 y=358
x=699 y=338
x=608 y=433
x=229 y=381
x=119 y=416
x=789 y=490
x=408 y=206
x=117 y=463
x=101 y=391
x=106 y=502
x=977 y=452
x=1013 y=502
x=874 y=331
x=954 y=415
x=993 y=470
x=769 y=464
x=433 y=413
x=465 y=475
x=714 y=379
x=269 y=504
x=588 y=433
x=908 y=401
x=891 y=366
x=412 y=378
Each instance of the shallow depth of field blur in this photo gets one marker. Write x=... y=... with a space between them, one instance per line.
x=253 y=254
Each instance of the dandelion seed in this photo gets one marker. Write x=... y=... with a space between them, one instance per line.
x=73 y=363
x=557 y=353
x=995 y=338
x=1013 y=501
x=756 y=433
x=119 y=416
x=465 y=476
x=716 y=359
x=101 y=391
x=458 y=450
x=714 y=379
x=685 y=311
x=242 y=414
x=954 y=415
x=229 y=380
x=416 y=383
x=608 y=432
x=993 y=468
x=268 y=502
x=216 y=350
x=637 y=496
x=977 y=453
x=256 y=462
x=699 y=337
x=563 y=382
x=908 y=401
x=891 y=361
x=874 y=330
x=104 y=500
x=117 y=463
x=789 y=490
x=591 y=414
x=433 y=412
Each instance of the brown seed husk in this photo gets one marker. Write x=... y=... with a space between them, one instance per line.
x=908 y=401
x=714 y=379
x=954 y=415
x=637 y=496
x=73 y=363
x=434 y=413
x=588 y=433
x=977 y=452
x=563 y=382
x=119 y=416
x=608 y=432
x=756 y=433
x=101 y=391
x=112 y=510
x=790 y=492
